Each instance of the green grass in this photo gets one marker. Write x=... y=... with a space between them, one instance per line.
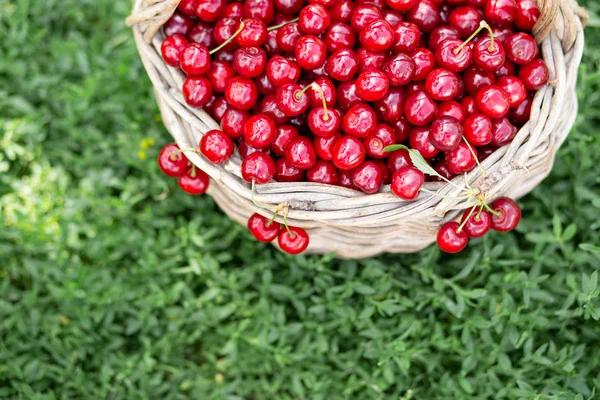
x=108 y=293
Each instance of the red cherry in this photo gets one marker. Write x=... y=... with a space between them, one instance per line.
x=261 y=9
x=234 y=10
x=469 y=105
x=300 y=153
x=400 y=69
x=521 y=48
x=450 y=57
x=425 y=15
x=250 y=62
x=465 y=20
x=362 y=15
x=521 y=113
x=246 y=150
x=370 y=60
x=197 y=91
x=324 y=146
x=382 y=137
x=258 y=167
x=291 y=100
x=233 y=122
x=442 y=33
x=534 y=75
x=493 y=101
x=216 y=146
x=476 y=224
x=419 y=140
x=461 y=159
x=194 y=181
x=202 y=33
x=345 y=180
x=446 y=133
x=403 y=129
x=172 y=48
x=171 y=161
x=372 y=84
x=285 y=172
x=195 y=59
x=406 y=37
x=322 y=172
x=218 y=108
x=442 y=84
x=420 y=109
x=329 y=92
x=346 y=95
x=476 y=79
x=378 y=35
x=368 y=177
x=210 y=10
x=339 y=36
x=287 y=37
x=527 y=15
x=280 y=70
x=224 y=29
x=342 y=65
x=392 y=17
x=442 y=169
x=407 y=182
x=254 y=33
x=359 y=121
x=515 y=88
x=268 y=106
x=311 y=52
x=401 y=5
x=264 y=85
x=289 y=7
x=424 y=61
x=178 y=24
x=391 y=106
x=314 y=19
x=241 y=93
x=508 y=215
x=260 y=131
x=399 y=159
x=503 y=132
x=452 y=109
x=187 y=7
x=324 y=124
x=272 y=46
x=488 y=57
x=263 y=229
x=450 y=240
x=500 y=12
x=342 y=11
x=348 y=153
x=285 y=133
x=293 y=240
x=508 y=69
x=219 y=74
x=478 y=130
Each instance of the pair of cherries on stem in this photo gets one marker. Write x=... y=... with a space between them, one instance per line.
x=174 y=163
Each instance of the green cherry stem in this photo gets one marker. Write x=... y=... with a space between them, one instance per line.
x=319 y=90
x=225 y=43
x=460 y=228
x=483 y=171
x=482 y=25
x=176 y=153
x=272 y=28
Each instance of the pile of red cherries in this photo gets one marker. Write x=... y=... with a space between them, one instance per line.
x=318 y=91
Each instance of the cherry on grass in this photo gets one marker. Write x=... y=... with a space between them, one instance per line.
x=172 y=161
x=263 y=229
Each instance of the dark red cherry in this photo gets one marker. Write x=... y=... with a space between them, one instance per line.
x=382 y=137
x=461 y=159
x=194 y=181
x=287 y=36
x=368 y=177
x=476 y=79
x=289 y=7
x=400 y=69
x=392 y=17
x=246 y=150
x=322 y=172
x=210 y=10
x=346 y=95
x=284 y=172
x=399 y=159
x=370 y=60
x=359 y=121
x=485 y=152
x=250 y=62
x=372 y=84
x=403 y=129
x=469 y=105
x=534 y=75
x=284 y=134
x=323 y=123
x=401 y=5
x=272 y=47
x=224 y=55
x=291 y=100
x=420 y=109
x=477 y=223
x=450 y=240
x=234 y=10
x=378 y=35
x=324 y=146
x=424 y=63
x=362 y=15
x=446 y=133
x=260 y=131
x=507 y=214
x=268 y=106
x=515 y=89
x=503 y=132
x=202 y=33
x=311 y=52
x=342 y=65
x=451 y=56
x=493 y=101
x=258 y=167
x=508 y=69
x=339 y=36
x=527 y=15
x=345 y=180
x=406 y=37
x=452 y=109
x=342 y=11
x=280 y=70
x=300 y=153
x=500 y=12
x=233 y=122
x=264 y=85
x=241 y=93
x=419 y=140
x=425 y=15
x=218 y=108
x=314 y=19
x=329 y=92
x=442 y=84
x=187 y=7
x=254 y=33
x=261 y=9
x=348 y=153
x=224 y=29
x=442 y=33
x=391 y=106
x=465 y=20
x=178 y=24
x=197 y=91
x=219 y=74
x=487 y=56
x=216 y=146
x=172 y=48
x=171 y=161
x=293 y=240
x=478 y=130
x=195 y=59
x=407 y=182
x=521 y=114
x=502 y=33
x=263 y=229
x=443 y=170
x=521 y=48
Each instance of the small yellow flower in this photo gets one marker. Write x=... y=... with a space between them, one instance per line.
x=219 y=378
x=146 y=143
x=142 y=155
x=64 y=320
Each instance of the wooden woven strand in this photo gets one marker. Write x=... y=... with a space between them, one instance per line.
x=347 y=222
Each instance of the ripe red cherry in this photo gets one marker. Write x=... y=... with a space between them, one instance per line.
x=258 y=167
x=399 y=159
x=528 y=14
x=450 y=57
x=268 y=106
x=263 y=229
x=442 y=84
x=508 y=69
x=493 y=101
x=443 y=170
x=194 y=181
x=345 y=180
x=368 y=177
x=362 y=15
x=521 y=114
x=521 y=48
x=233 y=121
x=324 y=124
x=460 y=160
x=392 y=17
x=272 y=47
x=420 y=109
x=178 y=24
x=300 y=153
x=234 y=10
x=187 y=7
x=285 y=133
x=224 y=29
x=314 y=19
x=469 y=105
x=382 y=137
x=500 y=12
x=419 y=140
x=250 y=62
x=534 y=75
x=210 y=10
x=446 y=133
x=280 y=70
x=324 y=146
x=515 y=89
x=440 y=34
x=425 y=15
x=503 y=132
x=216 y=146
x=311 y=52
x=218 y=108
x=254 y=33
x=346 y=95
x=424 y=61
x=407 y=182
x=339 y=36
x=370 y=59
x=478 y=130
x=342 y=11
x=465 y=20
x=452 y=109
x=172 y=48
x=401 y=5
x=400 y=69
x=342 y=65
x=261 y=9
x=288 y=7
x=241 y=93
x=197 y=91
x=487 y=57
x=403 y=129
x=348 y=153
x=508 y=214
x=329 y=92
x=391 y=106
x=322 y=172
x=246 y=150
x=284 y=172
x=359 y=121
x=476 y=79
x=260 y=131
x=291 y=100
x=195 y=59
x=203 y=33
x=476 y=223
x=171 y=161
x=378 y=35
x=450 y=240
x=287 y=36
x=293 y=240
x=219 y=74
x=406 y=37
x=372 y=84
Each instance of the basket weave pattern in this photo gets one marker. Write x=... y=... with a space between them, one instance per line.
x=348 y=222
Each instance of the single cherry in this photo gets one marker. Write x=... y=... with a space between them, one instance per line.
x=300 y=153
x=425 y=62
x=368 y=177
x=406 y=37
x=419 y=140
x=216 y=146
x=359 y=121
x=342 y=65
x=258 y=167
x=285 y=172
x=233 y=121
x=425 y=15
x=534 y=75
x=194 y=181
x=348 y=153
x=420 y=109
x=172 y=161
x=507 y=214
x=493 y=101
x=452 y=109
x=400 y=69
x=521 y=113
x=407 y=182
x=450 y=239
x=241 y=93
x=324 y=146
x=260 y=131
x=372 y=84
x=477 y=223
x=293 y=240
x=210 y=10
x=527 y=15
x=219 y=74
x=521 y=48
x=291 y=99
x=391 y=106
x=178 y=24
x=322 y=172
x=311 y=52
x=280 y=70
x=382 y=137
x=515 y=89
x=314 y=19
x=462 y=159
x=263 y=229
x=399 y=159
x=478 y=130
x=503 y=132
x=500 y=12
x=172 y=48
x=446 y=133
x=197 y=91
x=378 y=35
x=442 y=84
x=339 y=36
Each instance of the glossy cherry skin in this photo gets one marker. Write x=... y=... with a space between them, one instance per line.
x=171 y=161
x=219 y=74
x=195 y=59
x=216 y=146
x=478 y=130
x=314 y=19
x=218 y=108
x=450 y=240
x=348 y=153
x=493 y=101
x=246 y=150
x=399 y=159
x=476 y=79
x=324 y=124
x=287 y=36
x=329 y=92
x=392 y=17
x=224 y=29
x=210 y=10
x=342 y=11
x=368 y=177
x=359 y=121
x=443 y=170
x=250 y=62
x=378 y=35
x=372 y=84
x=420 y=109
x=403 y=129
x=446 y=133
x=197 y=91
x=476 y=223
x=241 y=93
x=442 y=84
x=362 y=15
x=187 y=7
x=425 y=15
x=521 y=113
x=324 y=146
x=407 y=182
x=202 y=33
x=469 y=105
x=425 y=62
x=460 y=160
x=339 y=36
x=280 y=70
x=285 y=133
x=268 y=106
x=515 y=89
x=271 y=46
x=233 y=121
x=382 y=137
x=172 y=48
x=311 y=52
x=254 y=33
x=440 y=34
x=406 y=37
x=284 y=172
x=342 y=65
x=527 y=15
x=508 y=214
x=503 y=132
x=346 y=95
x=465 y=20
x=234 y=10
x=322 y=172
x=289 y=6
x=391 y=106
x=370 y=59
x=294 y=241
x=500 y=12
x=521 y=48
x=194 y=181
x=400 y=69
x=258 y=167
x=290 y=99
x=300 y=153
x=263 y=229
x=419 y=140
x=178 y=24
x=447 y=58
x=264 y=85
x=487 y=57
x=534 y=75
x=260 y=131
x=261 y=9
x=507 y=69
x=452 y=109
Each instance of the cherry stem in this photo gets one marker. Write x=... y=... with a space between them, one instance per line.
x=176 y=153
x=282 y=208
x=299 y=93
x=482 y=25
x=257 y=204
x=272 y=28
x=193 y=172
x=479 y=213
x=460 y=228
x=225 y=43
x=483 y=172
x=292 y=234
x=319 y=90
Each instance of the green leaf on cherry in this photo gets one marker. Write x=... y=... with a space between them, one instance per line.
x=417 y=159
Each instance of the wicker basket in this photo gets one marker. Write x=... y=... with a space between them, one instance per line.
x=348 y=222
